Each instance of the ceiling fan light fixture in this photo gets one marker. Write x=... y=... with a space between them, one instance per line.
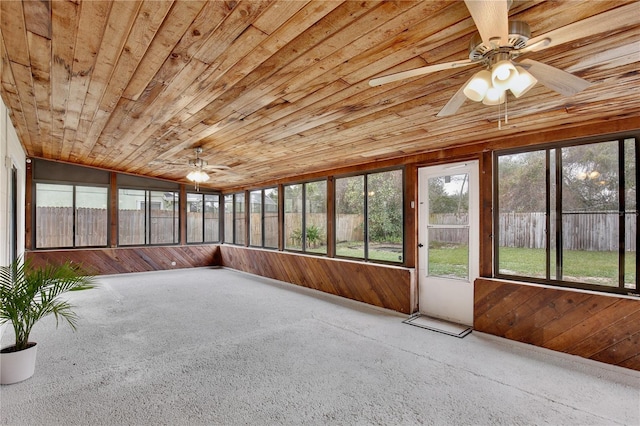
x=502 y=74
x=477 y=88
x=522 y=83
x=198 y=176
x=494 y=96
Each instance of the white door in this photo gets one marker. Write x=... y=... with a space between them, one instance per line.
x=448 y=238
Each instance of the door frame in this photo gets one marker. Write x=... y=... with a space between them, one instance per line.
x=447 y=298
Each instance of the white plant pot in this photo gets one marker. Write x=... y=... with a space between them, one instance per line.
x=17 y=366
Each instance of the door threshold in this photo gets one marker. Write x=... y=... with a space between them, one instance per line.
x=438 y=325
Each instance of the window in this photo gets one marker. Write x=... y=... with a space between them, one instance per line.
x=238 y=219
x=369 y=216
x=264 y=218
x=306 y=217
x=567 y=215
x=228 y=218
x=71 y=216
x=350 y=217
x=147 y=217
x=270 y=213
x=255 y=218
x=203 y=218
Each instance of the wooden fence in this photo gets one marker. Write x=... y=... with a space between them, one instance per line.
x=581 y=231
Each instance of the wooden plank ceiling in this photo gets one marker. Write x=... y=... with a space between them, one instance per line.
x=275 y=89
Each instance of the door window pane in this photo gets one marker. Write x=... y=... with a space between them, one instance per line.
x=385 y=216
x=350 y=216
x=590 y=206
x=54 y=215
x=91 y=216
x=448 y=223
x=270 y=211
x=448 y=254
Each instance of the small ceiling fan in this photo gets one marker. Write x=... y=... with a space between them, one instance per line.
x=497 y=44
x=198 y=175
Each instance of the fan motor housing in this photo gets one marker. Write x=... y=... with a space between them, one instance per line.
x=519 y=35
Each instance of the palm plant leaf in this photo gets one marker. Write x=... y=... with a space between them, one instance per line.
x=28 y=294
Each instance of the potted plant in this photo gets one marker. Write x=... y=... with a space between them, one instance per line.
x=28 y=294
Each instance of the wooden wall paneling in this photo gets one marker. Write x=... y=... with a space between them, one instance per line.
x=385 y=286
x=108 y=261
x=596 y=326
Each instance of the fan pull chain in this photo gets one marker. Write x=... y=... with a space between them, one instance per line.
x=499 y=118
x=506 y=112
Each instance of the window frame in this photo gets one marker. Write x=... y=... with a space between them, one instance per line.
x=554 y=253
x=263 y=236
x=176 y=221
x=366 y=209
x=303 y=213
x=74 y=208
x=203 y=196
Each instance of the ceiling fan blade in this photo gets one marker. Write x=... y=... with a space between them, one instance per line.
x=419 y=71
x=555 y=79
x=616 y=18
x=455 y=102
x=492 y=19
x=216 y=167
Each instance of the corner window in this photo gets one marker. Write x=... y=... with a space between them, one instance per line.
x=71 y=216
x=567 y=214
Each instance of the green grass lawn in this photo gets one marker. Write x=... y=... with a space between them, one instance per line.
x=584 y=266
x=451 y=261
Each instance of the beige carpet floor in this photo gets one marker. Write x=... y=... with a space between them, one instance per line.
x=218 y=347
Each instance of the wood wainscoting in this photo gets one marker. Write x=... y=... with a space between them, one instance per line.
x=386 y=286
x=106 y=261
x=601 y=327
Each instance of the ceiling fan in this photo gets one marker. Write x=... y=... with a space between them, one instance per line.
x=198 y=175
x=498 y=43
